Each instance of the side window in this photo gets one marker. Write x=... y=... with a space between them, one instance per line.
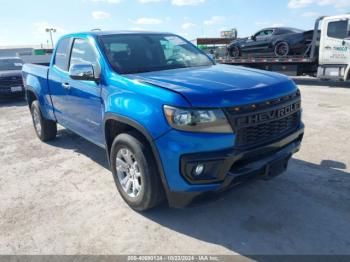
x=82 y=53
x=62 y=54
x=268 y=32
x=260 y=34
x=338 y=29
x=264 y=33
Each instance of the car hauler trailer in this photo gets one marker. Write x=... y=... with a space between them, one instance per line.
x=327 y=56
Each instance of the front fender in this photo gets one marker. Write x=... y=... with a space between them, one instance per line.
x=140 y=102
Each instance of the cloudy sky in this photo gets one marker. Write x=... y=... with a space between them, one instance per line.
x=24 y=22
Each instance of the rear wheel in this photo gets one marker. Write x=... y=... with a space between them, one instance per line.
x=282 y=49
x=45 y=129
x=135 y=173
x=235 y=52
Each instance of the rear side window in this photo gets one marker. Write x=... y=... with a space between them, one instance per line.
x=339 y=29
x=62 y=54
x=264 y=33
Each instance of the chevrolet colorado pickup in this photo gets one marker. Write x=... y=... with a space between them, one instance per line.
x=174 y=124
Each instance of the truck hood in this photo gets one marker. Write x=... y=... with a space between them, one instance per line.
x=10 y=73
x=220 y=85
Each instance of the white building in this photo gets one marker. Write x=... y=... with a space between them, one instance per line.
x=30 y=54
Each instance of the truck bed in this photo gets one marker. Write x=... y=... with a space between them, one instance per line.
x=36 y=80
x=40 y=71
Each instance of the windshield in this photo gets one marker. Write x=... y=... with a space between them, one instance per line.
x=137 y=53
x=10 y=64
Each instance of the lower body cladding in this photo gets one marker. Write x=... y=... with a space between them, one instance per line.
x=221 y=165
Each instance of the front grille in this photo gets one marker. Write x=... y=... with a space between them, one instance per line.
x=264 y=122
x=267 y=131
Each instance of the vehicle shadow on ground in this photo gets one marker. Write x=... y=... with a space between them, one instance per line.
x=68 y=140
x=304 y=211
x=13 y=102
x=317 y=82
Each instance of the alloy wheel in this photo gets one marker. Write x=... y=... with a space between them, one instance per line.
x=129 y=173
x=282 y=49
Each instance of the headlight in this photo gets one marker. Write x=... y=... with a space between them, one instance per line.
x=201 y=120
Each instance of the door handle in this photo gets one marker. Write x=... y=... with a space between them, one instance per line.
x=66 y=86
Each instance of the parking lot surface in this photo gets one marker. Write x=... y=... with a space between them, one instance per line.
x=60 y=198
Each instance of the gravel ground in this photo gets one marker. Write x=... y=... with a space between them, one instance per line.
x=60 y=198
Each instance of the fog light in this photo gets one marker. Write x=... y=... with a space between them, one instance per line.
x=199 y=170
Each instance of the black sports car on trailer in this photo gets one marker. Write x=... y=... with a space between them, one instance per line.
x=11 y=84
x=277 y=41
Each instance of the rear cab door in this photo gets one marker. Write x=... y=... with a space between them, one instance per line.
x=59 y=68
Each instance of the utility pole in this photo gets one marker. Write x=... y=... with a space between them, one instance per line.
x=50 y=31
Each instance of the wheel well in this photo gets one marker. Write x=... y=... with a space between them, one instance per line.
x=280 y=41
x=30 y=97
x=113 y=128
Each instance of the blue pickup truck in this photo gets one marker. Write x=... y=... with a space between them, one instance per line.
x=174 y=124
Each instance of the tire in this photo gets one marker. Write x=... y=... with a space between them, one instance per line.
x=45 y=129
x=143 y=189
x=282 y=49
x=235 y=52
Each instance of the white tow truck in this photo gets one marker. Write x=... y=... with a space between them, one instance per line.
x=327 y=56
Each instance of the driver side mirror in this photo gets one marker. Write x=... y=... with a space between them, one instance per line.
x=253 y=37
x=84 y=72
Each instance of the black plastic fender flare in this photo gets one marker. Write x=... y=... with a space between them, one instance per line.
x=143 y=131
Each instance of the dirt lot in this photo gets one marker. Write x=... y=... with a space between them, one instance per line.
x=60 y=198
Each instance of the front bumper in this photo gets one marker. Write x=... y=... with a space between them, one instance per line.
x=227 y=167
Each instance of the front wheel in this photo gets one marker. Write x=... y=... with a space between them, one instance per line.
x=45 y=129
x=282 y=49
x=135 y=173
